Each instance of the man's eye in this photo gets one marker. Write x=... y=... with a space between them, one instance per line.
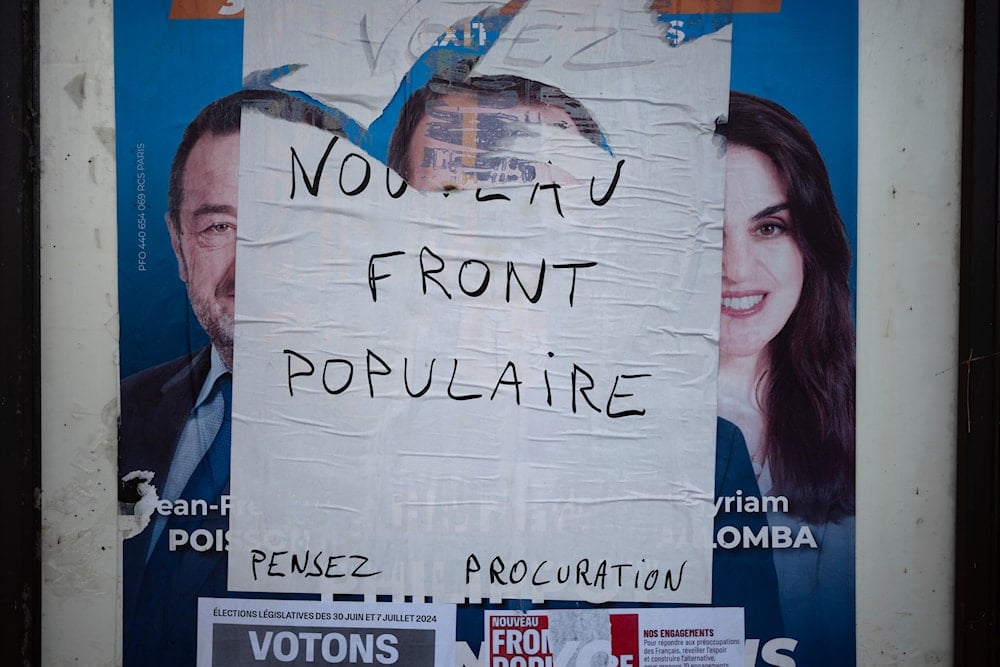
x=219 y=228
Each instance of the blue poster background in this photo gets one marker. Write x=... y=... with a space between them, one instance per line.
x=165 y=72
x=804 y=58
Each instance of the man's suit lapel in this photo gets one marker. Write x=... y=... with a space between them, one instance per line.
x=155 y=440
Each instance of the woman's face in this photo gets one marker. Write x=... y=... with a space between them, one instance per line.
x=761 y=260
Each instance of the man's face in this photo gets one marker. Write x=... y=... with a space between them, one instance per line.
x=205 y=243
x=464 y=142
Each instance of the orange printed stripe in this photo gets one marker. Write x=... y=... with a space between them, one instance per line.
x=206 y=9
x=233 y=9
x=716 y=6
x=512 y=7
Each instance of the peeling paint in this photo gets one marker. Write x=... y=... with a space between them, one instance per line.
x=74 y=516
x=76 y=89
x=134 y=517
x=106 y=135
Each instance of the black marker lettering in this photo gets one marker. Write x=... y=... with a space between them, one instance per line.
x=311 y=186
x=300 y=373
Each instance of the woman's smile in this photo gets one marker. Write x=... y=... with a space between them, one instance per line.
x=762 y=269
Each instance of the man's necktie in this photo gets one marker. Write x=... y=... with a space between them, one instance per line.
x=212 y=474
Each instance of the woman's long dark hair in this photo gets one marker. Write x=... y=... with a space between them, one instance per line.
x=809 y=403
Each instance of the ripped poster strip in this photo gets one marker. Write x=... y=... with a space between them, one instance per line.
x=485 y=348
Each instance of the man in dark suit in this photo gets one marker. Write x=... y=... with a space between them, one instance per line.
x=172 y=414
x=174 y=431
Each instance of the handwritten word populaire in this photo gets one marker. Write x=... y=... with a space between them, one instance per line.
x=337 y=377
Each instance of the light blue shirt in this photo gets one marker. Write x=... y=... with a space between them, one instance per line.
x=196 y=437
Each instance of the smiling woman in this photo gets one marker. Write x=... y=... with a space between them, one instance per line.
x=786 y=369
x=786 y=363
x=761 y=260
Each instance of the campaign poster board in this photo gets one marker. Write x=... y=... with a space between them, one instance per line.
x=282 y=632
x=800 y=55
x=631 y=637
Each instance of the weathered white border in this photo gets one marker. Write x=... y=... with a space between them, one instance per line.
x=910 y=97
x=910 y=79
x=79 y=334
